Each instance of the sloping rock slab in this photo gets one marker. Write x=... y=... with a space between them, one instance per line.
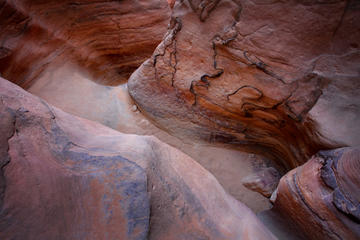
x=63 y=177
x=54 y=189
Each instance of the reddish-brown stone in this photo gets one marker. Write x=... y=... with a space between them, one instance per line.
x=247 y=73
x=256 y=75
x=63 y=177
x=109 y=38
x=322 y=197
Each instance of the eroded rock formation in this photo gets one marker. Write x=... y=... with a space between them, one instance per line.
x=322 y=196
x=64 y=177
x=247 y=73
x=73 y=81
x=271 y=77
x=109 y=38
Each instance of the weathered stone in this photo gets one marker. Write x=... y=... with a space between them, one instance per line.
x=108 y=38
x=247 y=74
x=113 y=107
x=322 y=197
x=275 y=78
x=70 y=178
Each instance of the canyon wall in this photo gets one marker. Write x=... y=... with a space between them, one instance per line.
x=276 y=83
x=275 y=78
x=73 y=57
x=247 y=73
x=108 y=38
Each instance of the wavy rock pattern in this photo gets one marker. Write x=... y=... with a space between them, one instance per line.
x=224 y=73
x=322 y=196
x=70 y=80
x=255 y=75
x=109 y=38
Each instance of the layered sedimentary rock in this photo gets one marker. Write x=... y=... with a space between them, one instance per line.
x=247 y=73
x=63 y=177
x=269 y=77
x=322 y=196
x=92 y=49
x=108 y=38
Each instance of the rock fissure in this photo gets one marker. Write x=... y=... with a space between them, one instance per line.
x=170 y=40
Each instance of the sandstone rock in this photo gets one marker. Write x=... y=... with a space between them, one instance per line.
x=109 y=38
x=322 y=197
x=112 y=107
x=264 y=181
x=53 y=188
x=94 y=49
x=65 y=177
x=247 y=73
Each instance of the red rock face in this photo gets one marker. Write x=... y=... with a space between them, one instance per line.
x=65 y=80
x=322 y=196
x=63 y=177
x=109 y=38
x=247 y=73
x=255 y=75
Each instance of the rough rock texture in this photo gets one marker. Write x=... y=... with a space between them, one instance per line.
x=247 y=73
x=322 y=196
x=109 y=38
x=64 y=177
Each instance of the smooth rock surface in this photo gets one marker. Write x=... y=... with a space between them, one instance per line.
x=88 y=181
